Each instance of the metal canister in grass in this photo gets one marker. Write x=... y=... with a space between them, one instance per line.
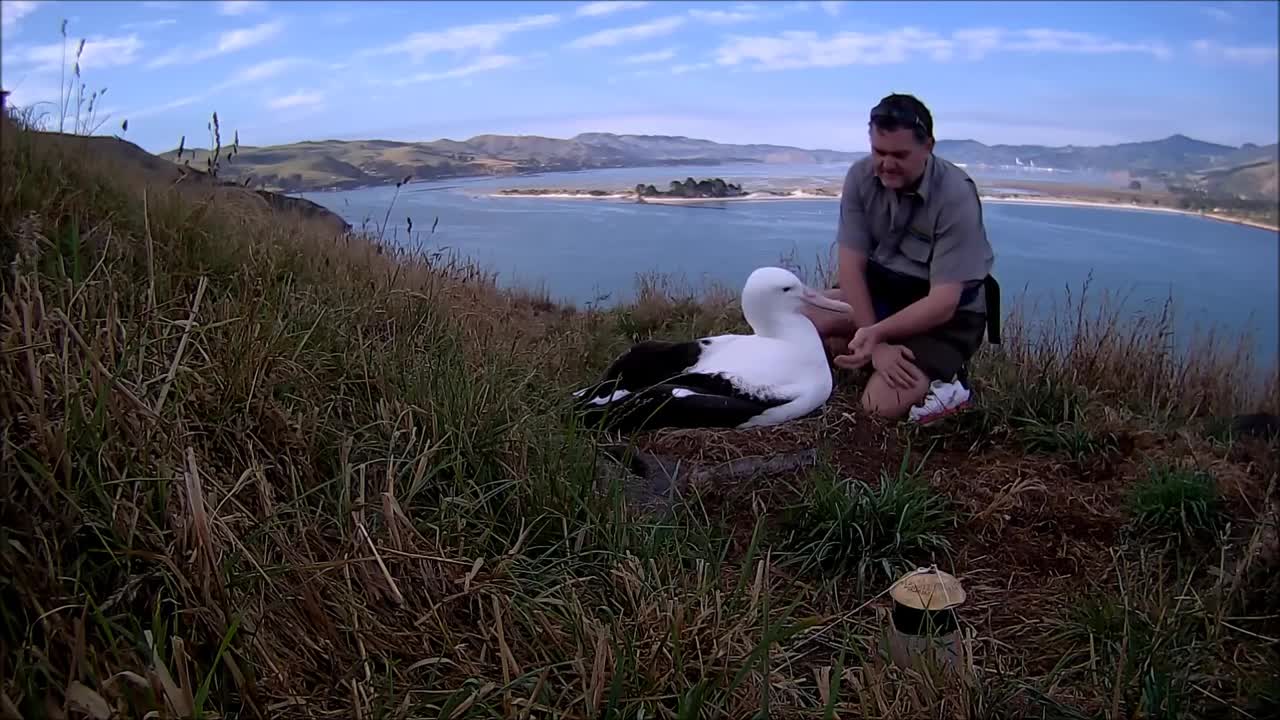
x=923 y=629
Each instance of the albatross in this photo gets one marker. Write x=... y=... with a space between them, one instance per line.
x=775 y=375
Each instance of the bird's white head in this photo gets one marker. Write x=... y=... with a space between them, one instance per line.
x=774 y=299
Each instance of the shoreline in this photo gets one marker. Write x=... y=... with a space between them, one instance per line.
x=763 y=196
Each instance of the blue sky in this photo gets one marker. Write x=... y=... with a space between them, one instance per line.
x=798 y=73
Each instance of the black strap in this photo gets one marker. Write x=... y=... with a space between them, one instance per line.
x=992 y=288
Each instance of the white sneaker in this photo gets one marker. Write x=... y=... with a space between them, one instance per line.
x=944 y=399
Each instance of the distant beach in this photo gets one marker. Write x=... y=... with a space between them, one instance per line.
x=831 y=194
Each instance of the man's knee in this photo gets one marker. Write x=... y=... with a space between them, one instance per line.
x=891 y=403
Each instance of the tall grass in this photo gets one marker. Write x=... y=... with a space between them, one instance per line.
x=255 y=467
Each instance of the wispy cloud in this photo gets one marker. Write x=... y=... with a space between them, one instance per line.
x=154 y=110
x=1257 y=54
x=796 y=49
x=301 y=98
x=234 y=40
x=832 y=7
x=692 y=67
x=149 y=24
x=619 y=35
x=739 y=14
x=1222 y=15
x=12 y=11
x=650 y=57
x=596 y=9
x=227 y=42
x=483 y=64
x=239 y=7
x=247 y=75
x=27 y=92
x=264 y=70
x=483 y=36
x=99 y=52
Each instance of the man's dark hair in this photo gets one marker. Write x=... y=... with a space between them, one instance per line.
x=899 y=111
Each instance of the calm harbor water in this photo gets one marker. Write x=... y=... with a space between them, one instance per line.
x=1218 y=274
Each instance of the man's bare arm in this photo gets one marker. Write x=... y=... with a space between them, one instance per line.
x=852 y=273
x=923 y=315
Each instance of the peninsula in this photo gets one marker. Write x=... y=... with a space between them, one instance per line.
x=1177 y=172
x=1253 y=214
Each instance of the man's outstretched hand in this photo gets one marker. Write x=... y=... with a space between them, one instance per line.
x=895 y=362
x=861 y=347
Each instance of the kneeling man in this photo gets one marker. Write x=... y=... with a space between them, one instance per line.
x=914 y=264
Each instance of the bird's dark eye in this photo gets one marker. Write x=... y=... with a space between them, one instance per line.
x=788 y=288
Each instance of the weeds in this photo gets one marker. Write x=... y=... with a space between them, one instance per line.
x=880 y=529
x=252 y=466
x=1176 y=500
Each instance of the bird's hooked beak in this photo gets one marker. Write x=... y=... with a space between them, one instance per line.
x=817 y=299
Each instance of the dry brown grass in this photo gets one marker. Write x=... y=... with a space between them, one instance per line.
x=254 y=468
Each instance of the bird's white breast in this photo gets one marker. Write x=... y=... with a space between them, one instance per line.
x=768 y=366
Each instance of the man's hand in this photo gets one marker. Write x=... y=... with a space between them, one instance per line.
x=864 y=341
x=894 y=362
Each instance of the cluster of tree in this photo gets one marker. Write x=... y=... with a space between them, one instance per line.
x=690 y=188
x=1193 y=198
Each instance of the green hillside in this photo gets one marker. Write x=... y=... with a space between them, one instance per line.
x=257 y=466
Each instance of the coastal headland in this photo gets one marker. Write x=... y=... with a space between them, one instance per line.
x=993 y=191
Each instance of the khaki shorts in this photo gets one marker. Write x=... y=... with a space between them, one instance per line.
x=941 y=353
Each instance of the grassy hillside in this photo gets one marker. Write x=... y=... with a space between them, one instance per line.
x=347 y=164
x=257 y=468
x=1177 y=153
x=1251 y=176
x=333 y=164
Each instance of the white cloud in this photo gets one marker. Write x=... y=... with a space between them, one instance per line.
x=166 y=107
x=1067 y=41
x=26 y=94
x=244 y=76
x=483 y=64
x=234 y=40
x=484 y=36
x=99 y=52
x=227 y=42
x=832 y=7
x=797 y=49
x=608 y=7
x=149 y=24
x=263 y=71
x=11 y=11
x=1258 y=54
x=651 y=57
x=739 y=14
x=693 y=67
x=297 y=99
x=239 y=7
x=1217 y=13
x=618 y=35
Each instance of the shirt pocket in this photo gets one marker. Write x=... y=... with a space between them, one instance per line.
x=916 y=246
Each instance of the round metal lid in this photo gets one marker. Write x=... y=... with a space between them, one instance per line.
x=927 y=589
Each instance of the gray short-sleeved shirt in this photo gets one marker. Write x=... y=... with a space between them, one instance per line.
x=945 y=241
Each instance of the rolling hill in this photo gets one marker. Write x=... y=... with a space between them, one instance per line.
x=339 y=164
x=1253 y=175
x=1177 y=153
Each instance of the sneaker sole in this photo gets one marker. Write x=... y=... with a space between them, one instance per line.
x=943 y=414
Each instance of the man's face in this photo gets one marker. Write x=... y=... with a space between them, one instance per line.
x=899 y=157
